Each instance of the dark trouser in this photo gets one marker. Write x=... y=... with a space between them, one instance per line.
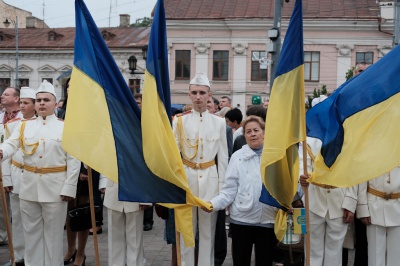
x=243 y=238
x=220 y=246
x=148 y=216
x=345 y=256
x=361 y=256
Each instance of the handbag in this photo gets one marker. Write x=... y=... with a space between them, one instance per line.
x=80 y=217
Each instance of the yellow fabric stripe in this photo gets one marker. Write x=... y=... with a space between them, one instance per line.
x=88 y=119
x=367 y=151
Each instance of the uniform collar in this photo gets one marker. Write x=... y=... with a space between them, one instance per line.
x=48 y=118
x=198 y=113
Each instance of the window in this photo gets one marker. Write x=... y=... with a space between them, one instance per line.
x=311 y=66
x=134 y=85
x=365 y=57
x=257 y=71
x=220 y=65
x=48 y=79
x=4 y=83
x=23 y=83
x=182 y=64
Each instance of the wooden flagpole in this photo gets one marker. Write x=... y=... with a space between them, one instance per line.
x=178 y=244
x=92 y=214
x=305 y=189
x=7 y=218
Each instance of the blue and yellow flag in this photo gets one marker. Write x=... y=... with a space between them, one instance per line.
x=359 y=126
x=285 y=123
x=160 y=150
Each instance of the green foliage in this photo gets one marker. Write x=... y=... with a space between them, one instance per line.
x=350 y=73
x=316 y=94
x=324 y=91
x=142 y=22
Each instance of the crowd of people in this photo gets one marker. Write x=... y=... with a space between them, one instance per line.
x=221 y=150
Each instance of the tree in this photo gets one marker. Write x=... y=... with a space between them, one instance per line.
x=350 y=73
x=142 y=22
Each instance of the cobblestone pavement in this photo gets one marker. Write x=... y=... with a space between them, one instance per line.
x=157 y=252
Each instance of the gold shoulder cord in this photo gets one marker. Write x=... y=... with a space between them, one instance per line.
x=183 y=140
x=310 y=153
x=22 y=141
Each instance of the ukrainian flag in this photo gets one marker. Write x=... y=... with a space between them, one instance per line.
x=285 y=123
x=160 y=150
x=359 y=126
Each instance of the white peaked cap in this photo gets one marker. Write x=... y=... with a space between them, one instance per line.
x=27 y=92
x=46 y=87
x=200 y=79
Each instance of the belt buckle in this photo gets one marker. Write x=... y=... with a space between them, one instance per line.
x=38 y=170
x=387 y=196
x=197 y=166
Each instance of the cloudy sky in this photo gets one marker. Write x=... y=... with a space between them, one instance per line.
x=61 y=13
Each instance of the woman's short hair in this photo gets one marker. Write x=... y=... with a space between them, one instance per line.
x=253 y=118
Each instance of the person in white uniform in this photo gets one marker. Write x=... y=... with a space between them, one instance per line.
x=201 y=137
x=379 y=209
x=125 y=227
x=12 y=170
x=10 y=102
x=48 y=181
x=331 y=211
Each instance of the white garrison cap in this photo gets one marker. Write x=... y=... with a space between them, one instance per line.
x=316 y=101
x=27 y=92
x=200 y=79
x=46 y=87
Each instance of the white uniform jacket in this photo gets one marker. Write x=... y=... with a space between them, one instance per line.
x=331 y=201
x=42 y=187
x=11 y=173
x=383 y=212
x=209 y=131
x=111 y=197
x=242 y=190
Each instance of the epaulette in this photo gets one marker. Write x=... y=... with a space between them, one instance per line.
x=182 y=114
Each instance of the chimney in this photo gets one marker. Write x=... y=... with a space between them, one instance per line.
x=124 y=20
x=31 y=22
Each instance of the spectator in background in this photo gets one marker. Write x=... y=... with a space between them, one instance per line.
x=138 y=99
x=233 y=119
x=225 y=101
x=187 y=107
x=265 y=104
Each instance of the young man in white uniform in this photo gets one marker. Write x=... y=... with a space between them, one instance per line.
x=201 y=138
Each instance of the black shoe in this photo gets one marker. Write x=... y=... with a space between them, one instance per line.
x=71 y=259
x=147 y=227
x=83 y=263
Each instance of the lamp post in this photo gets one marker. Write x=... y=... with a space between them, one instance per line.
x=132 y=61
x=7 y=24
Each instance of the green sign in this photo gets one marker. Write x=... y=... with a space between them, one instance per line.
x=255 y=99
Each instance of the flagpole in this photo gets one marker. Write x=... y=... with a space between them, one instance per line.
x=7 y=219
x=93 y=215
x=178 y=245
x=305 y=189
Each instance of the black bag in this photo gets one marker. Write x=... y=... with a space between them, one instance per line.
x=80 y=218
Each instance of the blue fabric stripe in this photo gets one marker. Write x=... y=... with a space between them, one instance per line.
x=136 y=182
x=266 y=198
x=292 y=55
x=376 y=84
x=157 y=56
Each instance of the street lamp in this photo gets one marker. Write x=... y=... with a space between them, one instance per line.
x=132 y=65
x=7 y=24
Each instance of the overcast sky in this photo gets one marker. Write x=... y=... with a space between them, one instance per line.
x=61 y=13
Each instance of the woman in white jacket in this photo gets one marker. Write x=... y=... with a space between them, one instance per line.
x=252 y=222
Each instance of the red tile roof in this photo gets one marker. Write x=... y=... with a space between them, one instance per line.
x=237 y=9
x=134 y=37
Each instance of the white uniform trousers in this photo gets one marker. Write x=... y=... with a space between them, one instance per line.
x=125 y=238
x=327 y=236
x=43 y=224
x=3 y=228
x=383 y=245
x=206 y=223
x=18 y=237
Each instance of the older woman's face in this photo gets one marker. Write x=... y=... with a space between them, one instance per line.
x=254 y=135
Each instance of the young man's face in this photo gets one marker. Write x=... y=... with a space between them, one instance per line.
x=199 y=95
x=45 y=104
